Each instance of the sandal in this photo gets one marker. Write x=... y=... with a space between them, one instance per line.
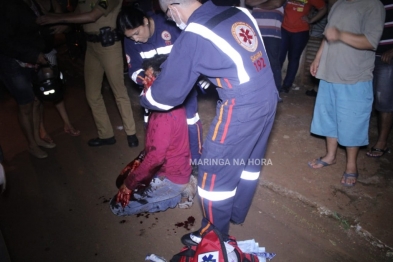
x=318 y=161
x=351 y=175
x=380 y=152
x=72 y=131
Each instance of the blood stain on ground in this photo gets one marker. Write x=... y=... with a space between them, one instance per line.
x=186 y=224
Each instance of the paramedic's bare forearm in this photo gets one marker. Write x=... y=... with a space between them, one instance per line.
x=72 y=18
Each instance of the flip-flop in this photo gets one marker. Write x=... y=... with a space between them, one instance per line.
x=346 y=175
x=319 y=162
x=377 y=150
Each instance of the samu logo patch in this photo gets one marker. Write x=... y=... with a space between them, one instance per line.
x=209 y=257
x=166 y=35
x=245 y=36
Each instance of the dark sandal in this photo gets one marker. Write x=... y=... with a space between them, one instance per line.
x=346 y=176
x=377 y=150
x=318 y=162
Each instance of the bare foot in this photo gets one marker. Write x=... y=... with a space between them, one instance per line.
x=37 y=152
x=45 y=137
x=72 y=131
x=45 y=144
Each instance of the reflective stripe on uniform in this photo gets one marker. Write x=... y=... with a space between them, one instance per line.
x=192 y=121
x=224 y=46
x=134 y=75
x=153 y=102
x=246 y=175
x=217 y=195
x=159 y=51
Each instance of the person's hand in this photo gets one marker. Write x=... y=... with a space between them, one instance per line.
x=314 y=67
x=42 y=59
x=148 y=82
x=58 y=29
x=204 y=83
x=332 y=34
x=387 y=56
x=123 y=196
x=46 y=19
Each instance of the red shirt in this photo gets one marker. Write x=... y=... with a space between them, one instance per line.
x=167 y=149
x=295 y=10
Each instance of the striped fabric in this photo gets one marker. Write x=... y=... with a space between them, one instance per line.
x=386 y=41
x=269 y=21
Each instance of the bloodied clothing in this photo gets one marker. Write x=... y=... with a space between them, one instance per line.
x=165 y=34
x=230 y=52
x=167 y=159
x=166 y=149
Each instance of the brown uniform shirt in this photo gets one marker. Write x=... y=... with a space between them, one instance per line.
x=110 y=8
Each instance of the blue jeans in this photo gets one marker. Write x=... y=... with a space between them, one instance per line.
x=272 y=45
x=159 y=196
x=292 y=44
x=383 y=85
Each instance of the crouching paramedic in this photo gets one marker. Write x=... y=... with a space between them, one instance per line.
x=149 y=35
x=224 y=44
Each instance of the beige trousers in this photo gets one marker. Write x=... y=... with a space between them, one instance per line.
x=108 y=60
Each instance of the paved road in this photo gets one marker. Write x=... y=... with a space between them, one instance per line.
x=56 y=209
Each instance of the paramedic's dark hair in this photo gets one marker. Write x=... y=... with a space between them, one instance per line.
x=130 y=17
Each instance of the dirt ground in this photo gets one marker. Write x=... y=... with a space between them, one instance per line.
x=56 y=209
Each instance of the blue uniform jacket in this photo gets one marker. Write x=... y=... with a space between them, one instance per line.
x=231 y=55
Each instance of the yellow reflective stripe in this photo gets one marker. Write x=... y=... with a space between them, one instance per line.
x=224 y=46
x=249 y=175
x=218 y=82
x=192 y=121
x=218 y=122
x=216 y=196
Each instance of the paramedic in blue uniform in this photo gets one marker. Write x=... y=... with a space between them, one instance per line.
x=224 y=44
x=146 y=36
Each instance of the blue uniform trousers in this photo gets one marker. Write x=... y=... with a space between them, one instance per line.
x=232 y=158
x=194 y=125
